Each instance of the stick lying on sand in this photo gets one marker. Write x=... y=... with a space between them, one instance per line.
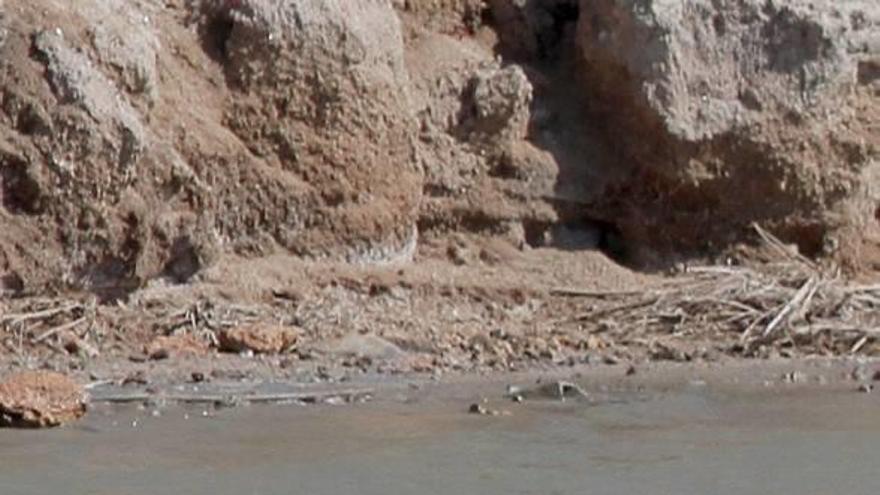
x=277 y=398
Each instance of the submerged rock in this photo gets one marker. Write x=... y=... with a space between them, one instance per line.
x=558 y=390
x=40 y=399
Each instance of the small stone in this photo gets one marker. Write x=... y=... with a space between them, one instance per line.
x=866 y=388
x=477 y=408
x=77 y=346
x=138 y=377
x=138 y=358
x=793 y=377
x=160 y=354
x=859 y=374
x=631 y=371
x=197 y=377
x=40 y=399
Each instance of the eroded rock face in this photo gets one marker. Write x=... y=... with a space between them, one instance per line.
x=3 y=32
x=480 y=172
x=274 y=126
x=498 y=101
x=40 y=399
x=323 y=91
x=83 y=162
x=738 y=111
x=706 y=68
x=142 y=139
x=445 y=16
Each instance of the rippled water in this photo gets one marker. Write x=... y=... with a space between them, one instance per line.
x=688 y=442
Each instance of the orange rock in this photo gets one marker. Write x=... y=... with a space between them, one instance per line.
x=176 y=345
x=40 y=399
x=259 y=338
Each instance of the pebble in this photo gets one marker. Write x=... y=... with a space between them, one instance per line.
x=610 y=360
x=859 y=374
x=793 y=377
x=477 y=408
x=335 y=401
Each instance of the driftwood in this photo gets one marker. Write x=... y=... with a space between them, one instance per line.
x=58 y=329
x=17 y=318
x=792 y=301
x=273 y=398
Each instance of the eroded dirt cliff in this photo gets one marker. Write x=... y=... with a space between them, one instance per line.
x=453 y=175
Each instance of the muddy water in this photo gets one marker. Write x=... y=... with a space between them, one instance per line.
x=692 y=441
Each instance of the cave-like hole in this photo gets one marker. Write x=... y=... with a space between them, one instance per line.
x=183 y=260
x=216 y=33
x=19 y=191
x=564 y=14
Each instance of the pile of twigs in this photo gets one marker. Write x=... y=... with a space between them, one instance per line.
x=792 y=302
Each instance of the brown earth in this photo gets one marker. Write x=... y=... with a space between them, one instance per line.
x=480 y=185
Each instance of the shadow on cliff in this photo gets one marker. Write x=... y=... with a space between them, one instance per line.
x=541 y=36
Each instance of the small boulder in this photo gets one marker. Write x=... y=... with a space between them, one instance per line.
x=500 y=102
x=259 y=338
x=40 y=399
x=557 y=390
x=369 y=346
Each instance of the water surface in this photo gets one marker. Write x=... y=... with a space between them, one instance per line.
x=695 y=441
